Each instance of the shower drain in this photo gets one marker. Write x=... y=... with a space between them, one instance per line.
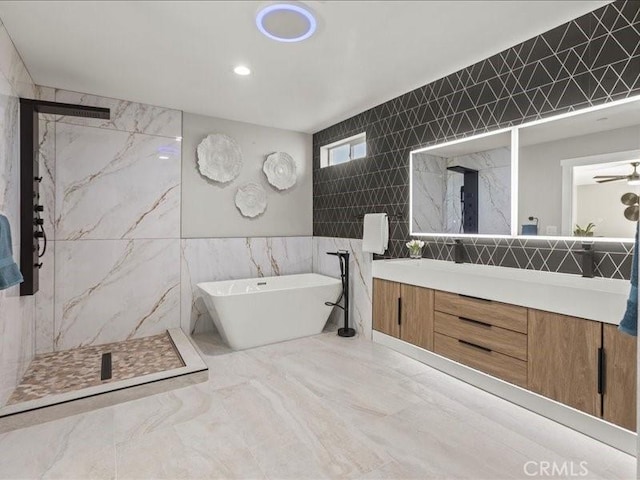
x=105 y=368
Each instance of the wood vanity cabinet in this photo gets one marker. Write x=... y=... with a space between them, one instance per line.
x=585 y=364
x=620 y=366
x=563 y=359
x=486 y=335
x=404 y=311
x=582 y=363
x=386 y=298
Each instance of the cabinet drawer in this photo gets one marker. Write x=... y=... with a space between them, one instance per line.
x=495 y=338
x=499 y=314
x=502 y=366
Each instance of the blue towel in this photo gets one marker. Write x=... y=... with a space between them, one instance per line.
x=9 y=272
x=629 y=323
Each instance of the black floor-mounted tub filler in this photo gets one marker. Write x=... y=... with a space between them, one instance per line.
x=343 y=257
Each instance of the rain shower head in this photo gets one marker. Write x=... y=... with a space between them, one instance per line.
x=461 y=169
x=67 y=109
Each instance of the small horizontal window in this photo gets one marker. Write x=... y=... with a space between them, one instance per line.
x=344 y=151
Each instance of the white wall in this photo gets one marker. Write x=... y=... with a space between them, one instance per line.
x=208 y=207
x=600 y=204
x=540 y=173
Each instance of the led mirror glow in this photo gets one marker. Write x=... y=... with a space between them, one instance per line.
x=285 y=22
x=555 y=194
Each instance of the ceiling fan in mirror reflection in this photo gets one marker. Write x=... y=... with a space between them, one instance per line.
x=632 y=179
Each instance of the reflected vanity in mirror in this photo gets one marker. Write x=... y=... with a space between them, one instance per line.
x=573 y=173
x=463 y=187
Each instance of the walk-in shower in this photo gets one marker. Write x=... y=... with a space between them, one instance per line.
x=64 y=378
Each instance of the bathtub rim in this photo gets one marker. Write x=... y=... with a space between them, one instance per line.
x=330 y=282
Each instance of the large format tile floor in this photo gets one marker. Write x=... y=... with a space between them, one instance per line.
x=319 y=407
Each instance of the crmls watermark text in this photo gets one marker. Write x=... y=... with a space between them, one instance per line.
x=534 y=468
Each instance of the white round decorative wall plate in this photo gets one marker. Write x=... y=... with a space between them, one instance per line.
x=219 y=158
x=251 y=200
x=280 y=170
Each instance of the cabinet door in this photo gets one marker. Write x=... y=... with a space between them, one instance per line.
x=619 y=399
x=563 y=359
x=386 y=298
x=416 y=324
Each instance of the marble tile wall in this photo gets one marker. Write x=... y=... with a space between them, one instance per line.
x=211 y=259
x=117 y=267
x=429 y=193
x=112 y=290
x=16 y=313
x=112 y=184
x=360 y=291
x=111 y=191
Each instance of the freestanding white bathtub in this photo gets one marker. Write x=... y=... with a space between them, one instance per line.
x=258 y=311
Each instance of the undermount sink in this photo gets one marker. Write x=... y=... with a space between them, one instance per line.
x=600 y=299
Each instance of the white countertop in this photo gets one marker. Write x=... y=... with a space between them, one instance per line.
x=600 y=299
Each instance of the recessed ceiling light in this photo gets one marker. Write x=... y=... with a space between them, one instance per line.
x=163 y=157
x=178 y=139
x=242 y=70
x=285 y=22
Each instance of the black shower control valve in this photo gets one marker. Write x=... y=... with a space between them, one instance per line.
x=39 y=234
x=37 y=265
x=38 y=208
x=38 y=221
x=38 y=179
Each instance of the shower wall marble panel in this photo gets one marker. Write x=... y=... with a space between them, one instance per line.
x=16 y=313
x=360 y=283
x=111 y=191
x=114 y=185
x=212 y=259
x=44 y=299
x=113 y=290
x=44 y=303
x=125 y=116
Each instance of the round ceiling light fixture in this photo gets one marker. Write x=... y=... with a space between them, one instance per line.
x=242 y=70
x=285 y=22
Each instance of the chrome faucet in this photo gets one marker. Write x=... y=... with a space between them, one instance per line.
x=588 y=262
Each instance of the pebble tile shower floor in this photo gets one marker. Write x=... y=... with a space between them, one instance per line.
x=70 y=370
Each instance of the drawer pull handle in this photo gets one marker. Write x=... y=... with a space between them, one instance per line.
x=601 y=378
x=477 y=322
x=469 y=344
x=400 y=311
x=474 y=298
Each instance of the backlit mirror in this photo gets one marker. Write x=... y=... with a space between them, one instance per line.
x=463 y=187
x=575 y=171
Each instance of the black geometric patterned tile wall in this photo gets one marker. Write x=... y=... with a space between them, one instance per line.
x=589 y=61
